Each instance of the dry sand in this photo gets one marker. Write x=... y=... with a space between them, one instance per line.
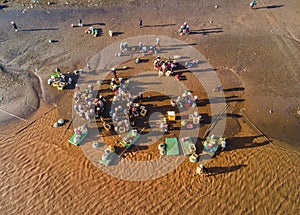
x=255 y=54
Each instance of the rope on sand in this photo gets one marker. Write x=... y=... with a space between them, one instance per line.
x=212 y=125
x=29 y=104
x=18 y=117
x=268 y=139
x=256 y=128
x=33 y=121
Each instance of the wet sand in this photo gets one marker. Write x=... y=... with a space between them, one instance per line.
x=255 y=56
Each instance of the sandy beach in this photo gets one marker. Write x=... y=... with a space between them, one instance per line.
x=254 y=54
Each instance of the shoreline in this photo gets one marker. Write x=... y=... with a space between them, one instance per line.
x=251 y=53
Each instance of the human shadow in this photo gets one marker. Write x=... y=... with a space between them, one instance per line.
x=166 y=49
x=144 y=60
x=233 y=115
x=179 y=45
x=100 y=32
x=3 y=6
x=222 y=170
x=117 y=33
x=74 y=81
x=91 y=24
x=206 y=31
x=216 y=100
x=269 y=7
x=158 y=25
x=157 y=98
x=198 y=143
x=234 y=89
x=234 y=143
x=205 y=119
x=40 y=29
x=136 y=148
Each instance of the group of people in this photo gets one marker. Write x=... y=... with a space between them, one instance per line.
x=143 y=49
x=79 y=131
x=117 y=84
x=184 y=29
x=59 y=79
x=123 y=47
x=125 y=109
x=166 y=67
x=89 y=108
x=85 y=105
x=93 y=31
x=185 y=100
x=99 y=103
x=120 y=119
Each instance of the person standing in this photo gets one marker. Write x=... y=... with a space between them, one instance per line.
x=223 y=143
x=157 y=42
x=14 y=26
x=121 y=47
x=80 y=23
x=253 y=3
x=141 y=22
x=202 y=170
x=141 y=97
x=114 y=71
x=140 y=45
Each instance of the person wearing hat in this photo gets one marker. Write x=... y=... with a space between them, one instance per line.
x=253 y=3
x=203 y=170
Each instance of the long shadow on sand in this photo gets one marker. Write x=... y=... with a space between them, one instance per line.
x=269 y=7
x=234 y=89
x=160 y=25
x=216 y=100
x=3 y=6
x=180 y=45
x=40 y=29
x=234 y=143
x=91 y=24
x=117 y=33
x=226 y=169
x=207 y=31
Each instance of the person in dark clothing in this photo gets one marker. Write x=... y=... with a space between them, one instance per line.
x=80 y=23
x=14 y=26
x=114 y=71
x=140 y=22
x=253 y=3
x=141 y=97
